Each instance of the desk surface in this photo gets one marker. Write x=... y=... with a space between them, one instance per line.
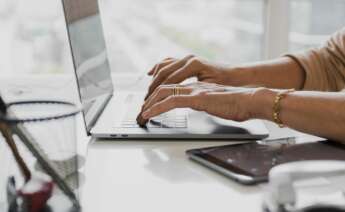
x=151 y=176
x=156 y=176
x=147 y=176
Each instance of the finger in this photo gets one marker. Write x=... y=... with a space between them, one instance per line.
x=161 y=65
x=190 y=69
x=141 y=121
x=153 y=95
x=165 y=72
x=151 y=72
x=164 y=92
x=161 y=74
x=168 y=104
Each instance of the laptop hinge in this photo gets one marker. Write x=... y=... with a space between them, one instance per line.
x=95 y=118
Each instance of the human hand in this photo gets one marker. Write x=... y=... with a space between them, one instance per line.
x=172 y=71
x=234 y=103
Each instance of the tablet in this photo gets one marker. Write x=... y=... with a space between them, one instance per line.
x=250 y=163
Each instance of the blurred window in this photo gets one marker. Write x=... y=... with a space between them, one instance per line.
x=144 y=32
x=139 y=33
x=313 y=21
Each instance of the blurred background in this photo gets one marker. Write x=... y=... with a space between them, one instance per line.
x=139 y=33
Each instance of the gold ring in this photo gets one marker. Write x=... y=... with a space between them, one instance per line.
x=176 y=91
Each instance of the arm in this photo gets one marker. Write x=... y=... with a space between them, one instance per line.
x=318 y=113
x=282 y=73
x=320 y=69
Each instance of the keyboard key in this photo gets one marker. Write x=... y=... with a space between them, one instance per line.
x=173 y=119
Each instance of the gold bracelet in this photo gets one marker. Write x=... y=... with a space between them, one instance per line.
x=277 y=106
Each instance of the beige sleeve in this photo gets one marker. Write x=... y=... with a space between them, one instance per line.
x=325 y=66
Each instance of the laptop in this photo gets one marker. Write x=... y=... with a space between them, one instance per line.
x=111 y=113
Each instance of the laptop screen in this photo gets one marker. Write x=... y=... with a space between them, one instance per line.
x=89 y=56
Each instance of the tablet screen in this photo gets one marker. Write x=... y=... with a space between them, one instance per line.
x=256 y=159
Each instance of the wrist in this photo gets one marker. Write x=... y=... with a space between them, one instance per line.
x=235 y=76
x=222 y=74
x=261 y=104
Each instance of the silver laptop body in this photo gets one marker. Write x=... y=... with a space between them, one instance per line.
x=111 y=113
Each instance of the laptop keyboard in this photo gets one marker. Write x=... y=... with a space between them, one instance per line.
x=172 y=119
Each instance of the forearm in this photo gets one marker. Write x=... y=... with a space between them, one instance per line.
x=280 y=73
x=318 y=113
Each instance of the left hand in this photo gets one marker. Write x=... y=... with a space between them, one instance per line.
x=234 y=103
x=173 y=70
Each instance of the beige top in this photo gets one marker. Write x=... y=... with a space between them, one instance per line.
x=324 y=66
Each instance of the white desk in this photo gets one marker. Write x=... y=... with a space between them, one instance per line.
x=157 y=176
x=146 y=176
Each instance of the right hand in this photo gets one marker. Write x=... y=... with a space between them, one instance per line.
x=233 y=103
x=173 y=71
